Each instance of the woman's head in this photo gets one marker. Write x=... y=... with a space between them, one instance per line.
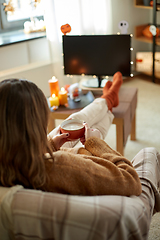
x=23 y=133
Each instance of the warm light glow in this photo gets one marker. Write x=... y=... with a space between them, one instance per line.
x=131 y=49
x=54 y=78
x=118 y=33
x=131 y=74
x=131 y=35
x=82 y=70
x=63 y=89
x=74 y=62
x=82 y=74
x=131 y=62
x=94 y=76
x=63 y=96
x=54 y=101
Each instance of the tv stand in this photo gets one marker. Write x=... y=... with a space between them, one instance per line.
x=94 y=82
x=99 y=81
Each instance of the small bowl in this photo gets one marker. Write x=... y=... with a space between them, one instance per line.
x=74 y=127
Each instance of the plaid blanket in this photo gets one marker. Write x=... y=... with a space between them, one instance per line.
x=39 y=215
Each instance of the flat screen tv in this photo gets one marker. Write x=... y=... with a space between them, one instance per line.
x=98 y=55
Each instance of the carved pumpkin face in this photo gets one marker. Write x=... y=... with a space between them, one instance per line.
x=65 y=28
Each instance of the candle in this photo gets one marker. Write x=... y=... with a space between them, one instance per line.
x=54 y=101
x=63 y=96
x=54 y=86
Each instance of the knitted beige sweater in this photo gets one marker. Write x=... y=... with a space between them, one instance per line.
x=95 y=170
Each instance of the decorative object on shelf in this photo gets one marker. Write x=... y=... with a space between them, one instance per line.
x=146 y=2
x=149 y=36
x=151 y=3
x=144 y=63
x=147 y=32
x=36 y=2
x=34 y=25
x=54 y=101
x=123 y=26
x=65 y=28
x=154 y=30
x=9 y=7
x=63 y=96
x=54 y=86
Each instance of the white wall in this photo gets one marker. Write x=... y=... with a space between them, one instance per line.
x=30 y=60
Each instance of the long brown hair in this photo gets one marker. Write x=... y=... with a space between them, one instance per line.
x=23 y=134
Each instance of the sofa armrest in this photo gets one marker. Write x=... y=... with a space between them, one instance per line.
x=59 y=216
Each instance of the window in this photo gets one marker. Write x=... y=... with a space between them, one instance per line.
x=23 y=10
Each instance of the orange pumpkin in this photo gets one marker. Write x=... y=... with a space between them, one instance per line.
x=65 y=28
x=151 y=3
x=146 y=32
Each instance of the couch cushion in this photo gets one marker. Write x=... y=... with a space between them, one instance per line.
x=39 y=215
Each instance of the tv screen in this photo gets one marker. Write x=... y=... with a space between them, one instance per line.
x=100 y=55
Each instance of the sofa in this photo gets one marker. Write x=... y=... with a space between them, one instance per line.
x=27 y=214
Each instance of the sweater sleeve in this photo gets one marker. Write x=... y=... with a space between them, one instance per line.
x=90 y=175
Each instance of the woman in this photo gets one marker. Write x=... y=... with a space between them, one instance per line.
x=31 y=158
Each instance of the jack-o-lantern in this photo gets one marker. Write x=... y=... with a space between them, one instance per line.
x=65 y=28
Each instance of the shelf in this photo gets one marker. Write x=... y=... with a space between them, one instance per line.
x=18 y=36
x=152 y=39
x=142 y=6
x=139 y=4
x=149 y=73
x=139 y=36
x=146 y=7
x=144 y=63
x=148 y=40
